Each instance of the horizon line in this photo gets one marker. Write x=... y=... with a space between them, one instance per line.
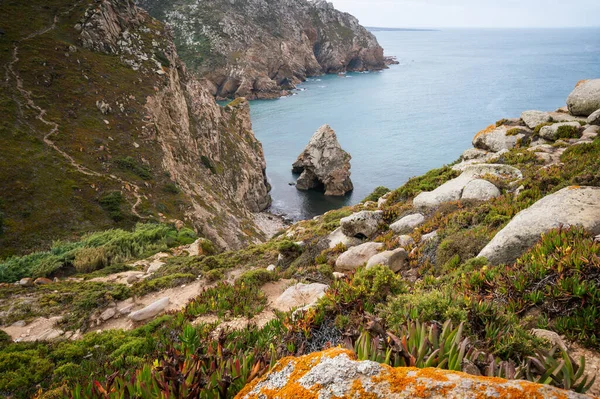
x=434 y=28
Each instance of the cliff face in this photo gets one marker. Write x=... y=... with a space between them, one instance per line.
x=120 y=131
x=261 y=48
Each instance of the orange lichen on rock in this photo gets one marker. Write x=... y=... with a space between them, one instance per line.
x=581 y=82
x=485 y=131
x=336 y=374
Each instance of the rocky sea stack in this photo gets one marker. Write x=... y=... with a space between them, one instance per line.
x=262 y=48
x=324 y=165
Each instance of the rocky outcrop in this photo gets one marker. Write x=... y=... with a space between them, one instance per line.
x=324 y=165
x=396 y=260
x=551 y=132
x=337 y=373
x=497 y=138
x=571 y=206
x=480 y=190
x=263 y=48
x=534 y=118
x=594 y=118
x=362 y=224
x=585 y=98
x=357 y=256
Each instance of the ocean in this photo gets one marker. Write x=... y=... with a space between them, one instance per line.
x=423 y=113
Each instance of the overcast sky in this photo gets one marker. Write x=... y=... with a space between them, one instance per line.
x=473 y=13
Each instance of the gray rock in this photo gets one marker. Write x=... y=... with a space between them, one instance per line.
x=300 y=295
x=361 y=224
x=271 y=268
x=473 y=153
x=26 y=282
x=408 y=223
x=338 y=275
x=323 y=162
x=591 y=132
x=585 y=98
x=20 y=323
x=429 y=237
x=534 y=118
x=108 y=314
x=497 y=138
x=551 y=132
x=405 y=241
x=338 y=237
x=357 y=256
x=568 y=207
x=481 y=190
x=150 y=310
x=396 y=260
x=594 y=118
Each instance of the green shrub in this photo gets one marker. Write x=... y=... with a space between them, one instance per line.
x=88 y=260
x=461 y=246
x=111 y=203
x=427 y=182
x=376 y=194
x=257 y=277
x=130 y=164
x=567 y=132
x=424 y=306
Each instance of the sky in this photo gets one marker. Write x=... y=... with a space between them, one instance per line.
x=473 y=13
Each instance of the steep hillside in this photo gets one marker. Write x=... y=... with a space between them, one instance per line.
x=260 y=48
x=102 y=126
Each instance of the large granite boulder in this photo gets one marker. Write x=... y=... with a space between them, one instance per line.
x=336 y=373
x=300 y=295
x=481 y=190
x=323 y=164
x=500 y=138
x=357 y=256
x=594 y=118
x=408 y=223
x=551 y=132
x=396 y=260
x=338 y=237
x=568 y=207
x=585 y=98
x=534 y=118
x=361 y=224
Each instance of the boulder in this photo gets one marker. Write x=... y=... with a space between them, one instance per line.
x=568 y=207
x=429 y=236
x=26 y=282
x=405 y=241
x=585 y=98
x=551 y=132
x=499 y=138
x=42 y=281
x=362 y=224
x=300 y=295
x=396 y=260
x=323 y=163
x=338 y=275
x=408 y=223
x=271 y=268
x=357 y=256
x=473 y=153
x=108 y=314
x=337 y=373
x=150 y=311
x=481 y=190
x=338 y=237
x=594 y=118
x=534 y=118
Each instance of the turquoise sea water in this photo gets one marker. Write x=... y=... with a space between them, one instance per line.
x=422 y=113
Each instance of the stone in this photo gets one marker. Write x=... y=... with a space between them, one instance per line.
x=594 y=118
x=150 y=311
x=271 y=268
x=481 y=190
x=300 y=296
x=357 y=256
x=324 y=163
x=103 y=107
x=429 y=236
x=108 y=314
x=551 y=132
x=134 y=278
x=20 y=323
x=499 y=138
x=551 y=337
x=408 y=223
x=338 y=237
x=26 y=282
x=363 y=224
x=591 y=132
x=338 y=275
x=585 y=98
x=473 y=153
x=42 y=281
x=405 y=241
x=336 y=372
x=570 y=206
x=534 y=118
x=396 y=260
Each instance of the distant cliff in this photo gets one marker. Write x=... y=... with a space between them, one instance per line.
x=102 y=127
x=261 y=48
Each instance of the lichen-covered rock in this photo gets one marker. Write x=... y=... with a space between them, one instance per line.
x=337 y=237
x=481 y=190
x=594 y=118
x=500 y=138
x=357 y=256
x=570 y=206
x=335 y=373
x=150 y=311
x=551 y=132
x=324 y=163
x=262 y=49
x=408 y=223
x=396 y=260
x=362 y=224
x=300 y=295
x=585 y=98
x=534 y=118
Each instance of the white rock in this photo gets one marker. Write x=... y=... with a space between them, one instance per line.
x=396 y=260
x=271 y=268
x=408 y=223
x=338 y=275
x=481 y=190
x=150 y=310
x=405 y=241
x=568 y=207
x=534 y=118
x=300 y=295
x=585 y=98
x=429 y=237
x=361 y=224
x=357 y=256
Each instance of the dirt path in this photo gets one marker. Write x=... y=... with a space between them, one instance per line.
x=54 y=127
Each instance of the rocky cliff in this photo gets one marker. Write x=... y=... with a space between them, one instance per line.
x=261 y=48
x=103 y=126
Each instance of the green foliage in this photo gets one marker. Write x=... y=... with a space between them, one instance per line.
x=460 y=247
x=208 y=164
x=171 y=188
x=112 y=203
x=257 y=277
x=513 y=132
x=228 y=300
x=377 y=193
x=425 y=306
x=539 y=127
x=428 y=182
x=160 y=283
x=130 y=164
x=567 y=132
